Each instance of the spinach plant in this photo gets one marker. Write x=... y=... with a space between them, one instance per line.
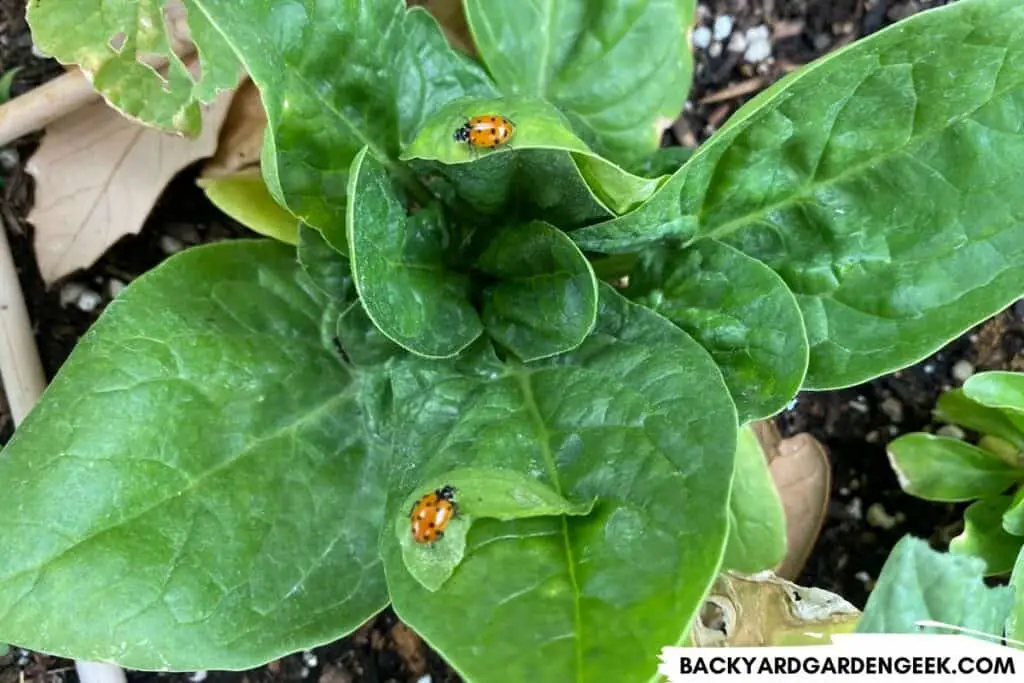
x=990 y=473
x=223 y=469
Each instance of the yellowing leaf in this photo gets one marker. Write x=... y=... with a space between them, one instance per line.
x=245 y=197
x=99 y=174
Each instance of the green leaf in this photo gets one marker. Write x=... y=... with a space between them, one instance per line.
x=739 y=310
x=943 y=469
x=956 y=407
x=636 y=417
x=398 y=263
x=1001 y=390
x=1013 y=518
x=896 y=232
x=543 y=171
x=545 y=301
x=326 y=268
x=481 y=493
x=918 y=583
x=984 y=537
x=757 y=521
x=218 y=504
x=85 y=32
x=621 y=70
x=334 y=78
x=1015 y=622
x=664 y=161
x=245 y=197
x=361 y=341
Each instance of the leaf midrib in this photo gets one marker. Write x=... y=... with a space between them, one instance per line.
x=805 y=192
x=289 y=69
x=523 y=379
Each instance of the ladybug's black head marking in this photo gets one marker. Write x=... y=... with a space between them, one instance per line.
x=446 y=492
x=461 y=134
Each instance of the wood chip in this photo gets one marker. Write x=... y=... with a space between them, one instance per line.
x=735 y=90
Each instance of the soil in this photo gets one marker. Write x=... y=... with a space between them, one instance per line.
x=868 y=512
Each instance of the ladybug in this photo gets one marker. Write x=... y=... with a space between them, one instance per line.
x=431 y=514
x=485 y=132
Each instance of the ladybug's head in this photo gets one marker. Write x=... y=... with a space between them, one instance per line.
x=446 y=492
x=461 y=134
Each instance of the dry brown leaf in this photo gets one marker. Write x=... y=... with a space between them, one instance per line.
x=802 y=473
x=98 y=175
x=451 y=17
x=241 y=136
x=763 y=609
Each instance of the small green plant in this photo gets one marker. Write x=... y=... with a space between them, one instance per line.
x=222 y=472
x=989 y=473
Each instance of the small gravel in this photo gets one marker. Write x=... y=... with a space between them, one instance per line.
x=722 y=27
x=962 y=370
x=759 y=44
x=701 y=37
x=892 y=408
x=88 y=301
x=170 y=245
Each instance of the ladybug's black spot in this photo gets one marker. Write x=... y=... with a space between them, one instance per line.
x=430 y=524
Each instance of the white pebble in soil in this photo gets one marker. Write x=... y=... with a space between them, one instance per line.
x=197 y=677
x=9 y=159
x=759 y=44
x=309 y=659
x=892 y=408
x=170 y=244
x=701 y=37
x=862 y=576
x=738 y=43
x=855 y=508
x=715 y=50
x=722 y=27
x=878 y=517
x=88 y=301
x=962 y=370
x=115 y=287
x=425 y=679
x=70 y=292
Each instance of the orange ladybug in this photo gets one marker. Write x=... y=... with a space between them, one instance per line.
x=485 y=132
x=431 y=514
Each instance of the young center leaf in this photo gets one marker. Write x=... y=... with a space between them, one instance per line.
x=543 y=171
x=545 y=300
x=918 y=583
x=638 y=418
x=757 y=520
x=108 y=38
x=399 y=265
x=219 y=505
x=739 y=310
x=896 y=231
x=637 y=50
x=336 y=77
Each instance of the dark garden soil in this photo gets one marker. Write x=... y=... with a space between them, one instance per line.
x=868 y=512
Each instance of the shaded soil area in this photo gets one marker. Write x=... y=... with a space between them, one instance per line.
x=868 y=512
